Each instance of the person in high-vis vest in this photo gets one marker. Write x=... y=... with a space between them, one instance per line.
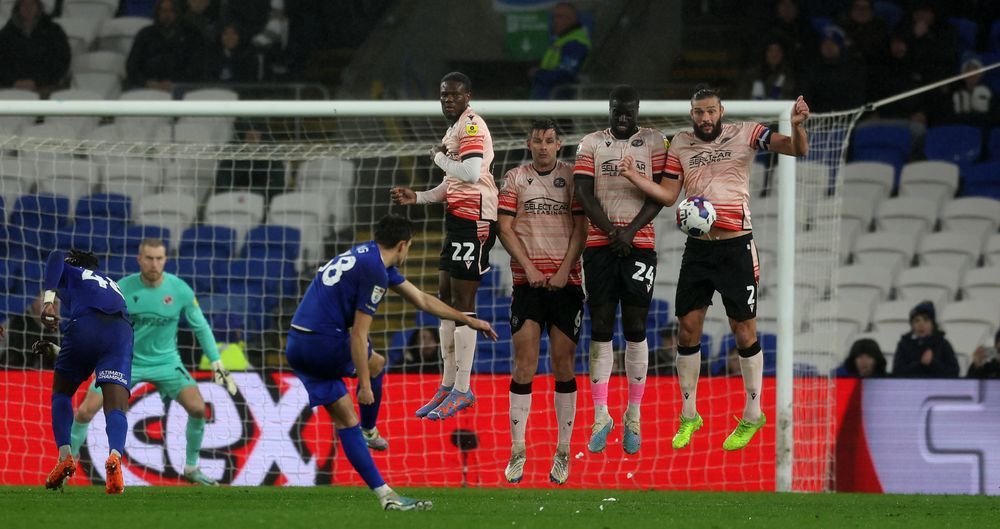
x=563 y=60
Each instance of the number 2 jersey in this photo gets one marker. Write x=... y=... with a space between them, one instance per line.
x=719 y=170
x=82 y=290
x=470 y=137
x=355 y=280
x=598 y=156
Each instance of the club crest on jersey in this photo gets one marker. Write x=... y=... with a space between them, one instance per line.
x=471 y=128
x=638 y=142
x=377 y=293
x=559 y=182
x=607 y=143
x=168 y=300
x=530 y=180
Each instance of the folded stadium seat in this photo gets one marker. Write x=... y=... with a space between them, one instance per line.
x=334 y=178
x=960 y=144
x=92 y=234
x=175 y=212
x=855 y=209
x=133 y=177
x=969 y=324
x=273 y=243
x=109 y=62
x=13 y=186
x=991 y=252
x=659 y=315
x=204 y=255
x=767 y=311
x=825 y=146
x=882 y=143
x=105 y=85
x=934 y=180
x=844 y=315
x=306 y=212
x=864 y=283
x=426 y=319
x=888 y=11
x=111 y=206
x=893 y=317
x=768 y=346
x=81 y=124
x=669 y=249
x=96 y=10
x=968 y=32
x=397 y=347
x=992 y=145
x=816 y=171
x=53 y=134
x=80 y=33
x=494 y=310
x=267 y=280
x=893 y=250
x=72 y=178
x=972 y=215
x=34 y=222
x=142 y=128
x=239 y=210
x=14 y=124
x=822 y=349
x=26 y=282
x=912 y=215
x=981 y=284
x=935 y=283
x=956 y=250
x=118 y=265
x=981 y=180
x=758 y=186
x=117 y=34
x=190 y=177
x=494 y=357
x=135 y=234
x=867 y=179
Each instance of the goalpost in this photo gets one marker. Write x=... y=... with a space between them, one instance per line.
x=172 y=169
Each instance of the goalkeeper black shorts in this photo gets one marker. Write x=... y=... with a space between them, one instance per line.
x=728 y=266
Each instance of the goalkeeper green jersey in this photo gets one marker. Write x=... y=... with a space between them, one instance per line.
x=155 y=314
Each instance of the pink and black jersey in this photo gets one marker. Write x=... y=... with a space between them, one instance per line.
x=598 y=156
x=469 y=137
x=544 y=207
x=720 y=170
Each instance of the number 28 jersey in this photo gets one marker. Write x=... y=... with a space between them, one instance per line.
x=355 y=280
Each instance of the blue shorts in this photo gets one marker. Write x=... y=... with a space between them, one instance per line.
x=97 y=342
x=321 y=362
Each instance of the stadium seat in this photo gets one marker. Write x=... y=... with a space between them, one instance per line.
x=768 y=345
x=956 y=250
x=80 y=32
x=221 y=127
x=99 y=62
x=111 y=206
x=991 y=252
x=910 y=215
x=104 y=133
x=811 y=171
x=133 y=177
x=867 y=179
x=239 y=210
x=972 y=215
x=981 y=180
x=13 y=124
x=105 y=85
x=274 y=243
x=993 y=145
x=306 y=212
x=968 y=32
x=334 y=178
x=81 y=124
x=864 y=283
x=204 y=254
x=34 y=222
x=758 y=186
x=72 y=178
x=935 y=283
x=822 y=349
x=844 y=315
x=981 y=284
x=969 y=324
x=857 y=210
x=267 y=279
x=211 y=94
x=136 y=233
x=882 y=143
x=175 y=212
x=889 y=249
x=141 y=127
x=98 y=10
x=118 y=265
x=14 y=184
x=494 y=357
x=936 y=181
x=117 y=34
x=669 y=249
x=960 y=144
x=889 y=12
x=188 y=176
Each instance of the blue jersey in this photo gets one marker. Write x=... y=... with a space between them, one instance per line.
x=82 y=290
x=355 y=280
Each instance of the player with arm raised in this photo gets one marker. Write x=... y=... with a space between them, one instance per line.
x=328 y=339
x=97 y=338
x=713 y=161
x=619 y=263
x=466 y=156
x=544 y=230
x=156 y=300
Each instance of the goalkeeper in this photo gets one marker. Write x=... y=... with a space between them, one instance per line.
x=155 y=301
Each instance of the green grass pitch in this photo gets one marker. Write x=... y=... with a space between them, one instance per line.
x=351 y=508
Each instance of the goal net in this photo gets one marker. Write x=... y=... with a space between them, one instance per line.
x=251 y=204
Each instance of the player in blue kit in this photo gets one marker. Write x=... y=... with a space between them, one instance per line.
x=328 y=341
x=97 y=338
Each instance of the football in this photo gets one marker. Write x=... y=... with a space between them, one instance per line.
x=695 y=216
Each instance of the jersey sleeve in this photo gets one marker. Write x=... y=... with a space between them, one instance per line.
x=659 y=144
x=673 y=166
x=54 y=270
x=369 y=291
x=472 y=138
x=395 y=278
x=584 y=158
x=760 y=136
x=508 y=195
x=199 y=325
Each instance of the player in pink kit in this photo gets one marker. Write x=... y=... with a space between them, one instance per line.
x=544 y=230
x=713 y=161
x=620 y=259
x=466 y=155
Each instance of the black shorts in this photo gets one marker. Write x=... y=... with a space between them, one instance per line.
x=729 y=267
x=467 y=245
x=610 y=278
x=562 y=308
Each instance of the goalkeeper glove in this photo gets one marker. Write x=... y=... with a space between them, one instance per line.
x=222 y=377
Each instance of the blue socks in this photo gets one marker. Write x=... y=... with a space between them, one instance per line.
x=369 y=412
x=62 y=418
x=116 y=428
x=359 y=456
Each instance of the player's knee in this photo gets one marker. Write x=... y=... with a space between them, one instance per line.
x=562 y=367
x=84 y=414
x=197 y=412
x=745 y=333
x=375 y=364
x=634 y=331
x=524 y=372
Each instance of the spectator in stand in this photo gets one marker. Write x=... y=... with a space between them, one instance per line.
x=663 y=358
x=924 y=352
x=422 y=352
x=167 y=52
x=970 y=101
x=728 y=364
x=263 y=177
x=234 y=60
x=865 y=360
x=867 y=36
x=896 y=75
x=986 y=360
x=563 y=60
x=837 y=80
x=250 y=15
x=796 y=32
x=34 y=51
x=203 y=16
x=137 y=8
x=23 y=330
x=773 y=78
x=932 y=42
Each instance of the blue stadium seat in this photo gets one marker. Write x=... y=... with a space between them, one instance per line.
x=959 y=144
x=968 y=32
x=206 y=240
x=5 y=273
x=397 y=346
x=200 y=273
x=494 y=357
x=267 y=279
x=111 y=206
x=993 y=145
x=94 y=234
x=273 y=243
x=882 y=143
x=117 y=265
x=497 y=309
x=994 y=38
x=768 y=345
x=982 y=180
x=426 y=319
x=34 y=223
x=12 y=304
x=26 y=280
x=135 y=235
x=889 y=12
